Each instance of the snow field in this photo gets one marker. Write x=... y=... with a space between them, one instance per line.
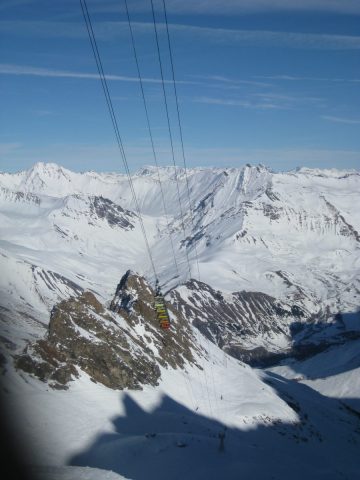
x=302 y=224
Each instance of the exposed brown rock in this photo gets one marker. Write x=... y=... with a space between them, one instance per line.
x=122 y=348
x=134 y=299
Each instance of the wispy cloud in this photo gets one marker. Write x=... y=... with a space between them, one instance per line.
x=296 y=78
x=290 y=101
x=312 y=41
x=112 y=30
x=8 y=69
x=263 y=101
x=230 y=7
x=241 y=6
x=230 y=81
x=239 y=103
x=349 y=121
x=104 y=30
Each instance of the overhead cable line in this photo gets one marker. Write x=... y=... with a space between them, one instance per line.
x=187 y=184
x=187 y=381
x=105 y=88
x=180 y=130
x=100 y=69
x=150 y=132
x=174 y=164
x=170 y=134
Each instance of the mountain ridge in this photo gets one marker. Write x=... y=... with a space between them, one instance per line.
x=279 y=270
x=289 y=235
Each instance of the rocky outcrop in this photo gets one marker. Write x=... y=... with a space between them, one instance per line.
x=119 y=348
x=246 y=325
x=111 y=212
x=259 y=329
x=134 y=300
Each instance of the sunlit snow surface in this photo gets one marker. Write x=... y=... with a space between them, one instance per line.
x=172 y=431
x=291 y=235
x=247 y=224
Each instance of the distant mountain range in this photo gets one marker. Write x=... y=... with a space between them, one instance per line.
x=292 y=236
x=274 y=283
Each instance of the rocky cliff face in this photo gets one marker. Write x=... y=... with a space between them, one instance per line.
x=121 y=348
x=124 y=346
x=250 y=326
x=257 y=328
x=287 y=243
x=134 y=300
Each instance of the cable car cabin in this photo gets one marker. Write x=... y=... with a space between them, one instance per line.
x=162 y=313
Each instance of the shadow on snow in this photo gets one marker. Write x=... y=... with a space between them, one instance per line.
x=312 y=338
x=173 y=442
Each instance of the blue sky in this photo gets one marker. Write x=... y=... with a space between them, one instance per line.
x=259 y=81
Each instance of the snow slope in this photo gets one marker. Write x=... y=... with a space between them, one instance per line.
x=293 y=236
x=334 y=372
x=272 y=426
x=285 y=234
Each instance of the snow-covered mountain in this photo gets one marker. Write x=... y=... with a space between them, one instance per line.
x=274 y=272
x=285 y=234
x=292 y=236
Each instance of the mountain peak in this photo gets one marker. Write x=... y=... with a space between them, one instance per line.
x=47 y=168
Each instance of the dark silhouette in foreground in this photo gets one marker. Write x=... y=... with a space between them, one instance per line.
x=173 y=442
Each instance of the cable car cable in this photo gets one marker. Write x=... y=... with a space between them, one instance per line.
x=150 y=131
x=99 y=65
x=173 y=157
x=170 y=134
x=186 y=175
x=180 y=130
